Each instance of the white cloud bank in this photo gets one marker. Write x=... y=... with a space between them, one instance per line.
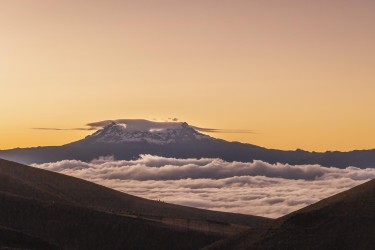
x=257 y=188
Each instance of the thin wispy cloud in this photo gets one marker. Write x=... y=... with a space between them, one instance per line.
x=218 y=130
x=63 y=129
x=142 y=124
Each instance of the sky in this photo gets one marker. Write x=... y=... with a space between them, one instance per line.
x=300 y=74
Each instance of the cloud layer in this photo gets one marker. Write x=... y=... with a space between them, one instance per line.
x=257 y=188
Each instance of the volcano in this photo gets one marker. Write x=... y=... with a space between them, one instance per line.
x=130 y=139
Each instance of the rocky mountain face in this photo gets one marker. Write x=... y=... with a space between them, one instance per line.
x=121 y=133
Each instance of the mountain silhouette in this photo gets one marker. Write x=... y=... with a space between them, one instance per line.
x=178 y=141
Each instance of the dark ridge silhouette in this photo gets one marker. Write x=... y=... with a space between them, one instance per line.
x=184 y=142
x=343 y=221
x=10 y=239
x=50 y=210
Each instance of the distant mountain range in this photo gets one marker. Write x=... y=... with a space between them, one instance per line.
x=179 y=140
x=45 y=210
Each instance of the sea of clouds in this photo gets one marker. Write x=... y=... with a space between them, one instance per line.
x=256 y=188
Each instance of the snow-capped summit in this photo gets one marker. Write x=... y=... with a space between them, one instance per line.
x=153 y=133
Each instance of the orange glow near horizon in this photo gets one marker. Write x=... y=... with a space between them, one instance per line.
x=298 y=73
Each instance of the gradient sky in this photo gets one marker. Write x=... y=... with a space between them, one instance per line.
x=299 y=73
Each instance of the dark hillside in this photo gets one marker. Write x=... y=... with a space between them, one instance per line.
x=49 y=210
x=343 y=221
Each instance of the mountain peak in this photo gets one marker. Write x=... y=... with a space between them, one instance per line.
x=112 y=123
x=152 y=132
x=184 y=124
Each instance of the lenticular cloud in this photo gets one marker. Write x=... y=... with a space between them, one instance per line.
x=257 y=187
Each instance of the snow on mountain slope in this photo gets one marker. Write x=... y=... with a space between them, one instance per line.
x=121 y=132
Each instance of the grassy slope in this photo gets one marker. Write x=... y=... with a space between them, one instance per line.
x=72 y=227
x=40 y=184
x=343 y=221
x=11 y=239
x=58 y=210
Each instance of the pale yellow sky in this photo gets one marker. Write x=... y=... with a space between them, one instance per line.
x=299 y=73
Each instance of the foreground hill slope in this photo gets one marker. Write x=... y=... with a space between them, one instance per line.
x=10 y=239
x=343 y=221
x=40 y=184
x=71 y=227
x=49 y=209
